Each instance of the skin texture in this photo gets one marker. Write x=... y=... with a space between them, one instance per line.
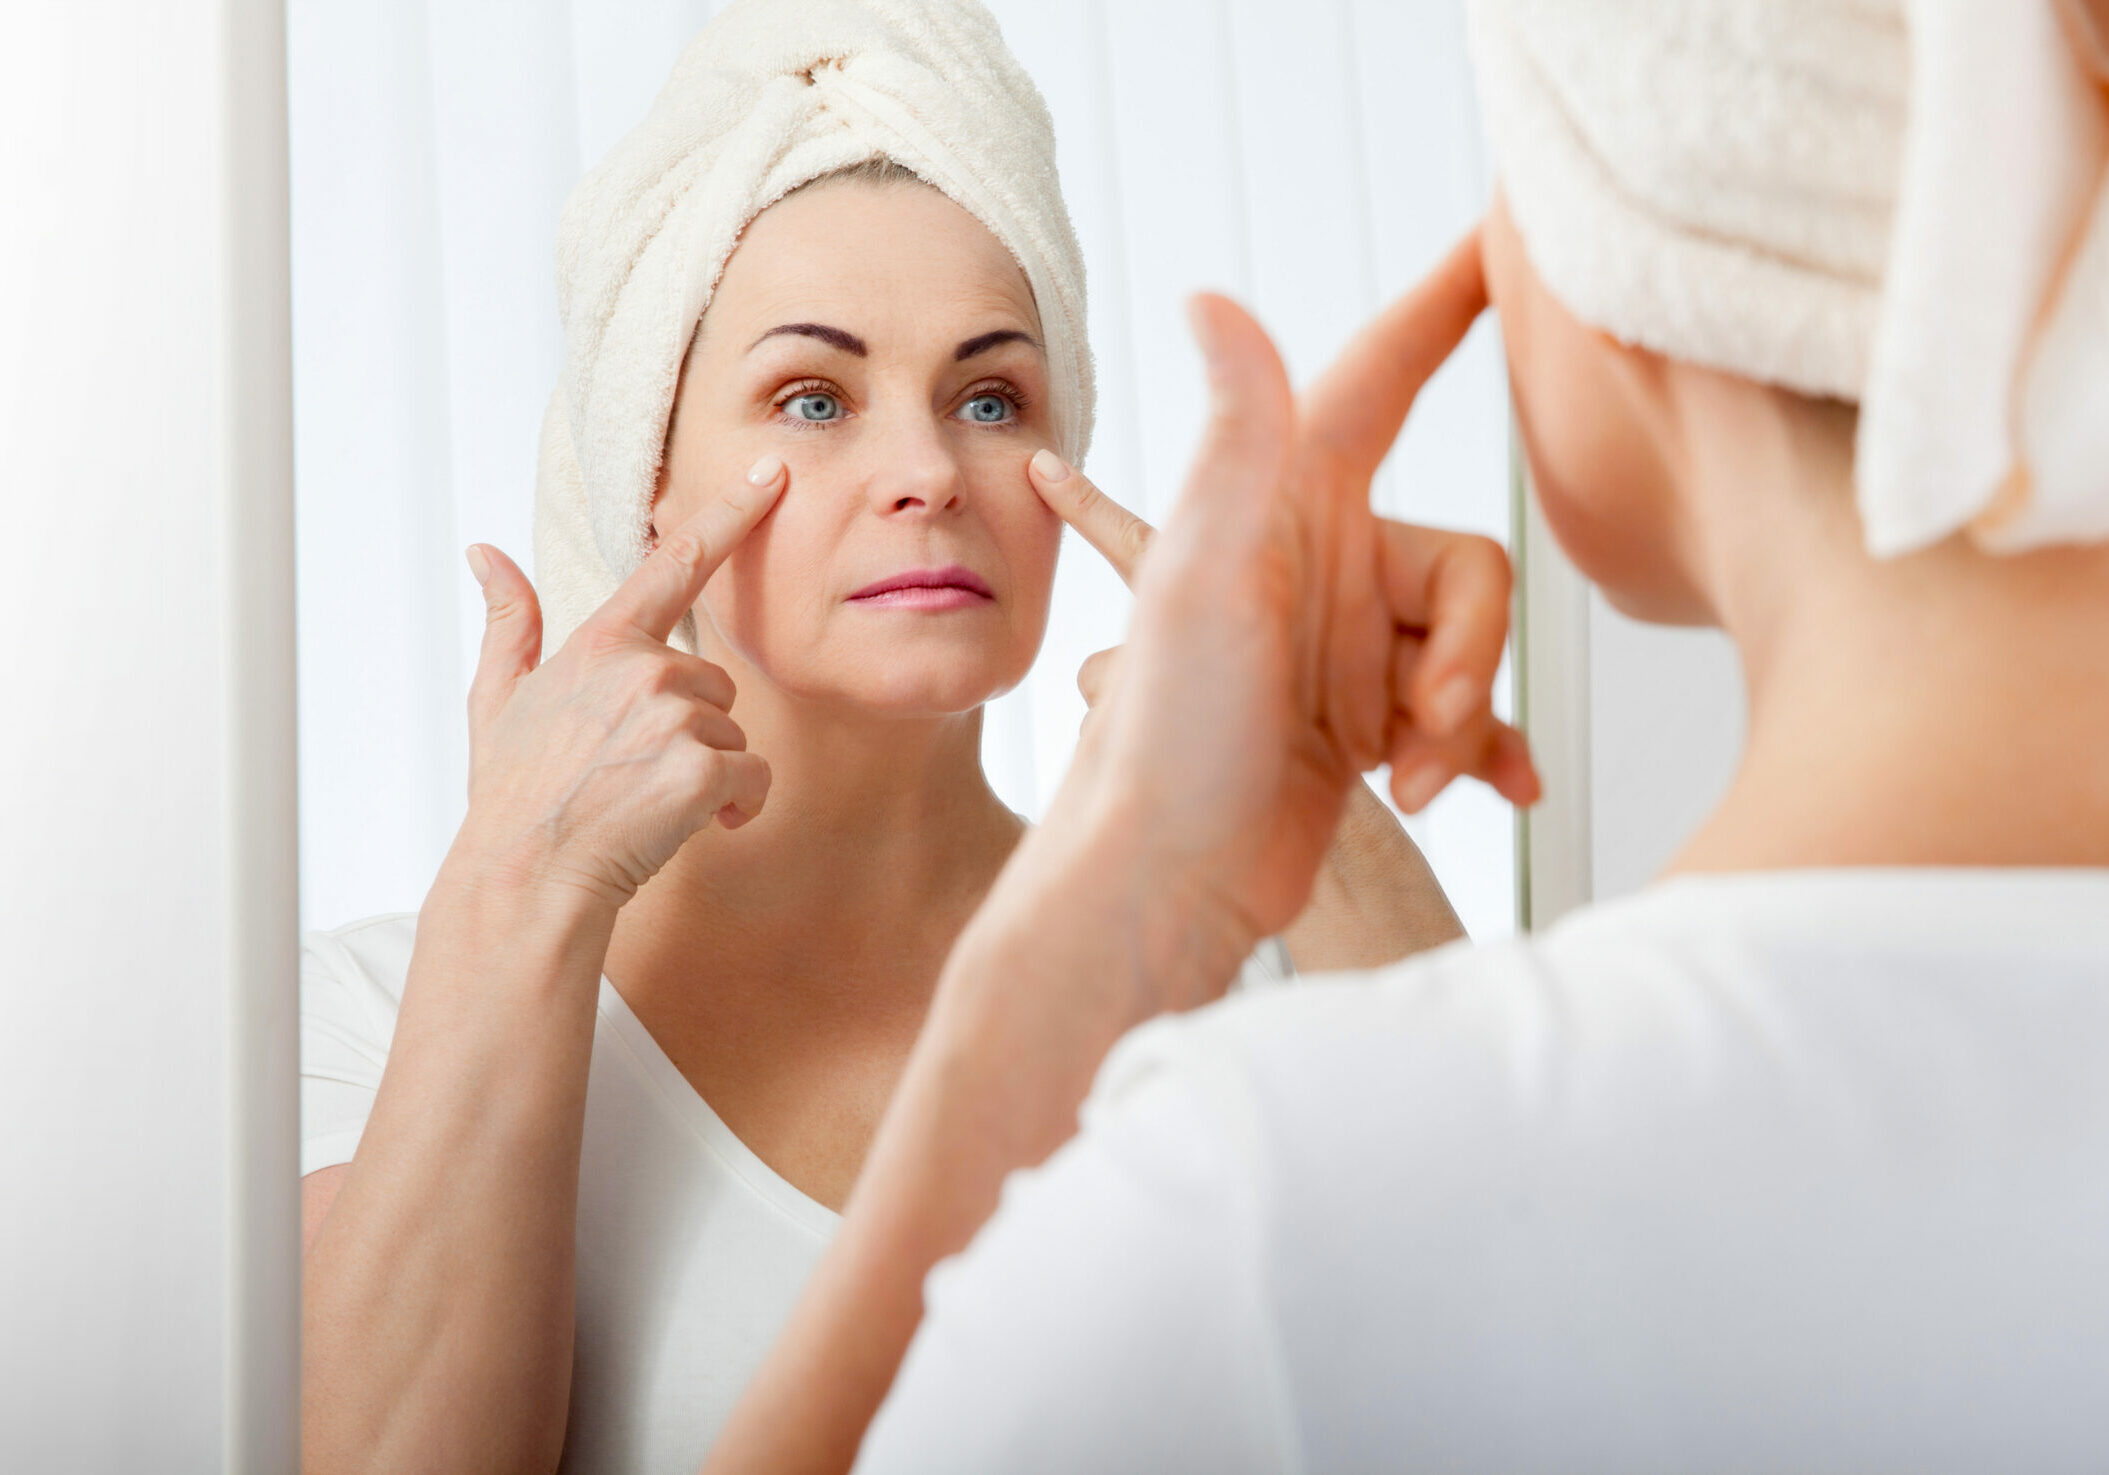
x=1948 y=708
x=730 y=836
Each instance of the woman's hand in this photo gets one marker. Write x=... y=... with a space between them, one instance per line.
x=1474 y=616
x=591 y=769
x=1285 y=639
x=1375 y=900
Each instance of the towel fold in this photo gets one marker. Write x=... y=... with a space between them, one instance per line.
x=1903 y=203
x=771 y=95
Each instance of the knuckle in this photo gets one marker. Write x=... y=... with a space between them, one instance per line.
x=661 y=677
x=700 y=767
x=684 y=546
x=598 y=642
x=1134 y=539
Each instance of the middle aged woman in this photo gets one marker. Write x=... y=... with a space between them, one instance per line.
x=576 y=1133
x=1793 y=1161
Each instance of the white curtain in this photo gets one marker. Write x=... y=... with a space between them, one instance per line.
x=1312 y=157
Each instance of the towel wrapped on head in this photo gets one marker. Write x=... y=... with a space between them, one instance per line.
x=1902 y=203
x=772 y=95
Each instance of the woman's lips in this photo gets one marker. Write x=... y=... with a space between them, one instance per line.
x=927 y=589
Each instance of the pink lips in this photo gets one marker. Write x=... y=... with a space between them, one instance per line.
x=946 y=588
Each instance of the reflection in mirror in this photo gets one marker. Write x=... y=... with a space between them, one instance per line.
x=677 y=938
x=432 y=154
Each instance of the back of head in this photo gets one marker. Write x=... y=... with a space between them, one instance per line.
x=770 y=96
x=1898 y=204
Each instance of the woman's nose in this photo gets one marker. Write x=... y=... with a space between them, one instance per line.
x=916 y=472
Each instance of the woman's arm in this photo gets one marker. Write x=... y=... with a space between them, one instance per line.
x=437 y=1325
x=437 y=1331
x=1262 y=675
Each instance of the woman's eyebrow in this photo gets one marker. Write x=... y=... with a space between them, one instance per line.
x=987 y=341
x=833 y=337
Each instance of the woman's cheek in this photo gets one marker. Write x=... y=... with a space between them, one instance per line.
x=737 y=597
x=1036 y=545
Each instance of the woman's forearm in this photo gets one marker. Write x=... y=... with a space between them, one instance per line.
x=1375 y=900
x=437 y=1329
x=1074 y=947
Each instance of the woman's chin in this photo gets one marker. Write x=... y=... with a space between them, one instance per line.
x=899 y=694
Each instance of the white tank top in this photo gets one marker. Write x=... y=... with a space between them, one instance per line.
x=691 y=1250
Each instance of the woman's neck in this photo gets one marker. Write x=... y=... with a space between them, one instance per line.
x=786 y=967
x=1945 y=708
x=878 y=839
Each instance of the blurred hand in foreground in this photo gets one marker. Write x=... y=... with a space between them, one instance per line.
x=1285 y=638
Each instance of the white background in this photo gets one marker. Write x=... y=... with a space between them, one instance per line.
x=1311 y=158
x=149 y=1255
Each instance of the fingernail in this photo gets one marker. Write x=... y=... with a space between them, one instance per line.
x=1048 y=466
x=479 y=564
x=1453 y=703
x=766 y=470
x=1421 y=783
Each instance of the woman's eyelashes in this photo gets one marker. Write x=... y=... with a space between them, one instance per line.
x=994 y=402
x=815 y=404
x=810 y=404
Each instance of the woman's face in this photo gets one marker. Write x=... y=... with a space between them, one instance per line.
x=885 y=345
x=1594 y=419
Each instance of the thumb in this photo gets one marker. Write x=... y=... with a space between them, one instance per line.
x=512 y=633
x=1093 y=676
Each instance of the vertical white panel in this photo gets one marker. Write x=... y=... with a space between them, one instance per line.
x=1178 y=168
x=504 y=149
x=382 y=781
x=145 y=783
x=623 y=54
x=1555 y=858
x=263 y=881
x=1305 y=193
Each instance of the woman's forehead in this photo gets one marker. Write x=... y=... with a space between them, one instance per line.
x=884 y=262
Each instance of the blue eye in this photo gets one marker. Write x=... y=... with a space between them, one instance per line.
x=815 y=406
x=987 y=409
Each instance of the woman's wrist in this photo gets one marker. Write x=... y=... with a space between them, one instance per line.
x=516 y=871
x=497 y=900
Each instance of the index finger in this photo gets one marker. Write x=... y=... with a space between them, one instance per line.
x=1106 y=525
x=666 y=584
x=1354 y=410
x=1456 y=586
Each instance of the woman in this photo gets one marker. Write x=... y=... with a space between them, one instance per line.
x=1793 y=1161
x=633 y=1057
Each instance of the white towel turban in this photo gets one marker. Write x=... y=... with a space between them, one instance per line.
x=1896 y=202
x=771 y=95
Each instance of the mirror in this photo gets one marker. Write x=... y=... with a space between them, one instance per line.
x=432 y=150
